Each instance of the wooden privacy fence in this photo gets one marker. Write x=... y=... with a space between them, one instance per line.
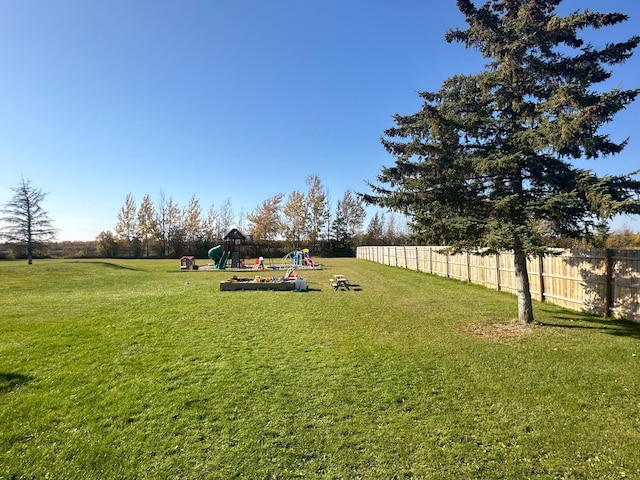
x=599 y=281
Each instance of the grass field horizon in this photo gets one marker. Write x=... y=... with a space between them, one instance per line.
x=133 y=369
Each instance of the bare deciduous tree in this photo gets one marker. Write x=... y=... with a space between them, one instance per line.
x=27 y=222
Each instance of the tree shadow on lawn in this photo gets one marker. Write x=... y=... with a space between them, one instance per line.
x=114 y=266
x=610 y=326
x=9 y=381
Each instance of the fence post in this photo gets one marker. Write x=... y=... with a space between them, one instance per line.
x=498 y=271
x=448 y=255
x=540 y=273
x=430 y=260
x=468 y=267
x=608 y=285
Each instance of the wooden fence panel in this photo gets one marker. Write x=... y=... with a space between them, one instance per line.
x=507 y=273
x=602 y=282
x=458 y=266
x=535 y=278
x=424 y=261
x=440 y=262
x=576 y=279
x=626 y=284
x=483 y=270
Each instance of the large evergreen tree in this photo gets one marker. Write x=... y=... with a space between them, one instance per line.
x=487 y=162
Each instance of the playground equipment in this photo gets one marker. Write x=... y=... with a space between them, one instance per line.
x=258 y=264
x=219 y=257
x=298 y=258
x=188 y=262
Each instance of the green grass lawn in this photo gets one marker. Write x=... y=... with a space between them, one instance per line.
x=133 y=369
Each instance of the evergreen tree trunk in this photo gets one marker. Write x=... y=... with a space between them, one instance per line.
x=525 y=308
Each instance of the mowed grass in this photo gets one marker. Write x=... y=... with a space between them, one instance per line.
x=133 y=369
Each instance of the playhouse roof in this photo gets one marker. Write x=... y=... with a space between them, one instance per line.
x=188 y=257
x=234 y=234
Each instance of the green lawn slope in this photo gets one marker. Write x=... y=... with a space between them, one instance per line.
x=132 y=369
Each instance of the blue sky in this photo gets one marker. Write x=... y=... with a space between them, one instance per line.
x=235 y=100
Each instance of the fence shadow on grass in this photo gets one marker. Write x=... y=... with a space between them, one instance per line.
x=609 y=326
x=9 y=381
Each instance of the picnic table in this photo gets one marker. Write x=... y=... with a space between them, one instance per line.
x=339 y=282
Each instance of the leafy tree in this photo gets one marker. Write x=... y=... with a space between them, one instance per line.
x=27 y=221
x=169 y=221
x=127 y=226
x=107 y=244
x=162 y=231
x=146 y=221
x=395 y=232
x=340 y=238
x=175 y=231
x=296 y=217
x=486 y=163
x=265 y=220
x=194 y=228
x=353 y=213
x=226 y=218
x=318 y=208
x=375 y=230
x=209 y=226
x=625 y=238
x=242 y=220
x=192 y=220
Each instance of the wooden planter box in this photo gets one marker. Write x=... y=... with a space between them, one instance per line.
x=299 y=284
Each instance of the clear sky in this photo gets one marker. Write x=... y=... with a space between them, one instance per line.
x=236 y=100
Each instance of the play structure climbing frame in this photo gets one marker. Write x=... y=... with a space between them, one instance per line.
x=298 y=258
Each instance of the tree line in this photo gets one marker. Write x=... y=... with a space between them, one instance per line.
x=165 y=229
x=28 y=231
x=301 y=219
